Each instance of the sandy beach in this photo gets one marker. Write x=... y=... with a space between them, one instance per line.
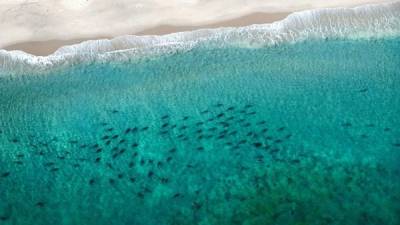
x=40 y=28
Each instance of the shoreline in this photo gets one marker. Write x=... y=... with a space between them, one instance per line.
x=45 y=48
x=365 y=21
x=39 y=29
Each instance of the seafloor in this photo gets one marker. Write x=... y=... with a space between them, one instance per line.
x=305 y=133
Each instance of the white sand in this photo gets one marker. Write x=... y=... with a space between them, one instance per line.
x=42 y=20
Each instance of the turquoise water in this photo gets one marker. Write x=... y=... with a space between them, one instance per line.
x=305 y=133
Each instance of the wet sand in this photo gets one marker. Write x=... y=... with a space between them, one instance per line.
x=44 y=48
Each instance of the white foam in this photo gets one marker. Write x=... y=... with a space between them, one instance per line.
x=368 y=21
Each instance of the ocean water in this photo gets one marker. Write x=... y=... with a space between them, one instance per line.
x=305 y=133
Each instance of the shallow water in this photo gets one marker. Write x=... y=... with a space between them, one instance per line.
x=305 y=133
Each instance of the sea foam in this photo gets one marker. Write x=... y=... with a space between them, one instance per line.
x=368 y=21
